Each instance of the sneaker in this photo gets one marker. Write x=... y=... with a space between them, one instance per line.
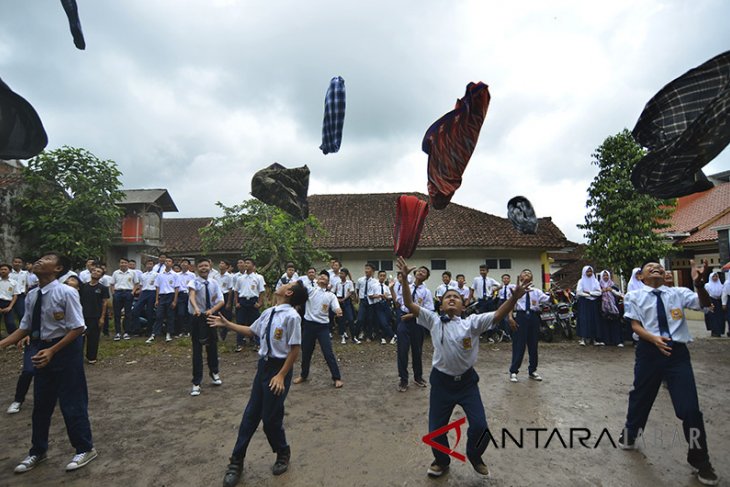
x=168 y=338
x=625 y=442
x=90 y=362
x=281 y=464
x=29 y=463
x=216 y=379
x=582 y=342
x=490 y=340
x=331 y=335
x=195 y=391
x=383 y=342
x=513 y=377
x=187 y=335
x=706 y=474
x=481 y=468
x=361 y=336
x=14 y=407
x=344 y=340
x=436 y=470
x=393 y=341
x=403 y=386
x=233 y=473
x=535 y=376
x=345 y=336
x=620 y=345
x=356 y=341
x=599 y=344
x=126 y=337
x=117 y=337
x=239 y=348
x=420 y=382
x=81 y=459
x=151 y=339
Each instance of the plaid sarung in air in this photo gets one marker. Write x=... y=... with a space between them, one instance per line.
x=684 y=126
x=334 y=116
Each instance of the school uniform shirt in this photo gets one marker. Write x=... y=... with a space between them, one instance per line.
x=537 y=297
x=423 y=298
x=343 y=289
x=483 y=287
x=139 y=275
x=92 y=299
x=167 y=282
x=643 y=308
x=250 y=285
x=334 y=276
x=725 y=292
x=464 y=291
x=309 y=284
x=60 y=310
x=65 y=277
x=214 y=291
x=286 y=330
x=364 y=286
x=441 y=290
x=234 y=280
x=8 y=289
x=85 y=275
x=505 y=292
x=148 y=280
x=159 y=267
x=223 y=280
x=319 y=304
x=124 y=281
x=378 y=288
x=184 y=279
x=456 y=342
x=284 y=279
x=32 y=281
x=21 y=278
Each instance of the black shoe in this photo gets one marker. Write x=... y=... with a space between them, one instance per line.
x=281 y=464
x=626 y=442
x=233 y=473
x=706 y=474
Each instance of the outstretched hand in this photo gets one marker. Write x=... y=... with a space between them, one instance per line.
x=403 y=267
x=215 y=321
x=522 y=287
x=699 y=274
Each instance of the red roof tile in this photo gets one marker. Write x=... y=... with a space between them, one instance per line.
x=706 y=234
x=694 y=211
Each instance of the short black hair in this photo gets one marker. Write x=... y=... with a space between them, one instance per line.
x=370 y=265
x=505 y=275
x=148 y=261
x=452 y=290
x=228 y=264
x=382 y=272
x=132 y=260
x=202 y=259
x=123 y=259
x=336 y=260
x=290 y=265
x=61 y=260
x=6 y=265
x=446 y=273
x=649 y=261
x=311 y=269
x=460 y=275
x=185 y=260
x=483 y=266
x=249 y=259
x=299 y=294
x=324 y=273
x=428 y=272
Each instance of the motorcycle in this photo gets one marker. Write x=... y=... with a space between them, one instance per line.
x=547 y=323
x=566 y=319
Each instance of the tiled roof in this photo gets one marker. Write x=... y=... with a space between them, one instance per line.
x=365 y=221
x=706 y=234
x=156 y=196
x=695 y=211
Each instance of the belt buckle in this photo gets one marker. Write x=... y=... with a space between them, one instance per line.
x=266 y=358
x=457 y=378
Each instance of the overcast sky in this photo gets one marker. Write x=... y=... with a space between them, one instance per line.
x=195 y=96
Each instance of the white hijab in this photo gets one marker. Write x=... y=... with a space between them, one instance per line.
x=634 y=283
x=714 y=288
x=589 y=284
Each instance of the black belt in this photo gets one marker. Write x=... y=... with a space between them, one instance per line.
x=455 y=378
x=51 y=341
x=270 y=361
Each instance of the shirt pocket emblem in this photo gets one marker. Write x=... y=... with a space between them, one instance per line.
x=466 y=342
x=325 y=307
x=58 y=315
x=170 y=281
x=676 y=313
x=253 y=287
x=278 y=333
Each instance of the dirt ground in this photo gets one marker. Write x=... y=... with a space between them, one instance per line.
x=149 y=431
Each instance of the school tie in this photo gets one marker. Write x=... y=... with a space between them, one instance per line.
x=661 y=314
x=527 y=302
x=366 y=286
x=342 y=287
x=268 y=332
x=35 y=322
x=311 y=283
x=445 y=318
x=504 y=293
x=414 y=293
x=484 y=287
x=382 y=291
x=207 y=296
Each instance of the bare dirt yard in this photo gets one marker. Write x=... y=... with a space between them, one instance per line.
x=149 y=431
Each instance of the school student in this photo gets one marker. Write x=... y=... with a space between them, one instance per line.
x=446 y=284
x=8 y=296
x=54 y=322
x=288 y=276
x=379 y=301
x=658 y=318
x=145 y=304
x=94 y=298
x=161 y=263
x=715 y=314
x=85 y=275
x=309 y=280
x=364 y=312
x=20 y=276
x=453 y=378
x=463 y=289
x=124 y=283
x=315 y=328
x=503 y=294
x=182 y=316
x=250 y=288
x=588 y=291
x=166 y=291
x=482 y=288
x=410 y=335
x=344 y=289
x=610 y=316
x=525 y=328
x=334 y=271
x=206 y=299
x=280 y=332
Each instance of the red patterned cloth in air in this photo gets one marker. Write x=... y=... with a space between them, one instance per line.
x=450 y=141
x=410 y=215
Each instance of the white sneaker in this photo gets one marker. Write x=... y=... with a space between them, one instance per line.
x=393 y=341
x=216 y=379
x=117 y=337
x=582 y=342
x=126 y=336
x=344 y=340
x=345 y=336
x=535 y=376
x=168 y=338
x=195 y=391
x=14 y=407
x=29 y=463
x=330 y=335
x=599 y=344
x=513 y=377
x=382 y=341
x=81 y=459
x=356 y=341
x=151 y=339
x=361 y=336
x=620 y=345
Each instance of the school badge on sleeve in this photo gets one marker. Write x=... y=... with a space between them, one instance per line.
x=278 y=333
x=466 y=342
x=325 y=307
x=58 y=315
x=676 y=313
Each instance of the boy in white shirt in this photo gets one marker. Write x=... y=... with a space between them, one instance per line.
x=379 y=301
x=250 y=288
x=446 y=284
x=482 y=288
x=8 y=296
x=410 y=335
x=182 y=318
x=146 y=301
x=463 y=289
x=124 y=283
x=344 y=289
x=166 y=292
x=20 y=276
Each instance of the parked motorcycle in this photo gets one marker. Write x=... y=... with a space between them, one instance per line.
x=547 y=323
x=566 y=319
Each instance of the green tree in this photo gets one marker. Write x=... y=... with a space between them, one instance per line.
x=69 y=204
x=622 y=226
x=271 y=236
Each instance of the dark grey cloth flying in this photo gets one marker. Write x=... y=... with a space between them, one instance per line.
x=284 y=188
x=522 y=215
x=22 y=135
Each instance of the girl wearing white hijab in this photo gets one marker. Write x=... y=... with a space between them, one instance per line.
x=634 y=282
x=588 y=290
x=610 y=315
x=715 y=318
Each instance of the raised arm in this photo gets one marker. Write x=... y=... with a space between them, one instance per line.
x=699 y=278
x=506 y=308
x=406 y=288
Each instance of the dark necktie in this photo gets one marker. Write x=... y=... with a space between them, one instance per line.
x=268 y=332
x=35 y=322
x=366 y=286
x=414 y=293
x=484 y=287
x=527 y=302
x=661 y=314
x=311 y=282
x=207 y=296
x=382 y=291
x=505 y=293
x=342 y=286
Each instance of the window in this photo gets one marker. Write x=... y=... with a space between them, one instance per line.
x=498 y=263
x=505 y=263
x=438 y=264
x=386 y=265
x=492 y=263
x=374 y=263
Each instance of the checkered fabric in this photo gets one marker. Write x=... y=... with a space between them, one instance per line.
x=450 y=142
x=522 y=215
x=72 y=12
x=334 y=116
x=284 y=188
x=22 y=135
x=410 y=215
x=684 y=126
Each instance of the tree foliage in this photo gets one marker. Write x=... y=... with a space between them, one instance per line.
x=271 y=236
x=69 y=204
x=622 y=225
